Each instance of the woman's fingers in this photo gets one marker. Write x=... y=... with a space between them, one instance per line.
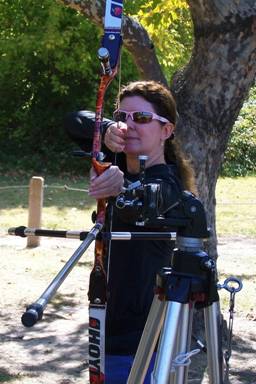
x=109 y=183
x=115 y=137
x=93 y=174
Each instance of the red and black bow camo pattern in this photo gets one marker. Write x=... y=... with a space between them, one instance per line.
x=109 y=56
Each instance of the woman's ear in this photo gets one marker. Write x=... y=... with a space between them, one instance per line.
x=167 y=130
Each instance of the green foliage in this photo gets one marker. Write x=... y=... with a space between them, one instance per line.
x=169 y=24
x=47 y=69
x=240 y=157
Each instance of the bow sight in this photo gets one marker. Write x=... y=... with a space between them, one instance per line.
x=146 y=200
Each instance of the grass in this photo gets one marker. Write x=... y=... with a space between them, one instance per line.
x=5 y=377
x=235 y=210
x=236 y=206
x=62 y=209
x=239 y=260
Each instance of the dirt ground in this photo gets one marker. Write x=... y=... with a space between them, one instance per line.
x=55 y=349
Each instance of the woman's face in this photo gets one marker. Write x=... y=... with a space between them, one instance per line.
x=147 y=138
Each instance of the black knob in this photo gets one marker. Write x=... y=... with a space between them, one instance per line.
x=120 y=202
x=33 y=313
x=94 y=217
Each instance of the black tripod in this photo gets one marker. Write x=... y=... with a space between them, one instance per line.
x=190 y=281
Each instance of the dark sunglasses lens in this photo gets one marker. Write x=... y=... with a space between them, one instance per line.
x=142 y=117
x=120 y=116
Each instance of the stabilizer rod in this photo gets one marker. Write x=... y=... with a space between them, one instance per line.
x=81 y=235
x=23 y=231
x=34 y=312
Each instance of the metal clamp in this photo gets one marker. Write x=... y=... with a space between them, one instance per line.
x=229 y=284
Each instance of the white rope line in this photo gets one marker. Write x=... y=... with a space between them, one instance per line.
x=234 y=203
x=75 y=189
x=183 y=359
x=14 y=187
x=65 y=187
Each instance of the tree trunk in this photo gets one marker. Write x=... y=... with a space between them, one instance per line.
x=210 y=90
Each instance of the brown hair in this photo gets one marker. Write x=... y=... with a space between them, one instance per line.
x=164 y=104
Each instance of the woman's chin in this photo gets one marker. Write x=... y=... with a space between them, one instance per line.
x=131 y=152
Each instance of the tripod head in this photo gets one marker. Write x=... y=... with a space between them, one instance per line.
x=187 y=217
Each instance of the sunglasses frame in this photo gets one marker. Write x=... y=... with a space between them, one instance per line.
x=154 y=116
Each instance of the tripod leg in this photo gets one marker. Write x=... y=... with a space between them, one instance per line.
x=166 y=349
x=212 y=317
x=148 y=341
x=183 y=342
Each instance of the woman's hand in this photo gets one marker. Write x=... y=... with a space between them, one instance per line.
x=115 y=136
x=109 y=183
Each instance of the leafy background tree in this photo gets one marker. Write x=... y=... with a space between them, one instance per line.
x=48 y=69
x=170 y=27
x=240 y=156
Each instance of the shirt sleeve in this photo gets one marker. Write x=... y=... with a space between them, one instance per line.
x=79 y=126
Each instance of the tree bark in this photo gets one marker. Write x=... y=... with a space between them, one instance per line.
x=210 y=90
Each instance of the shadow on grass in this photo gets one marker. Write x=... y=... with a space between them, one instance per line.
x=242 y=347
x=52 y=345
x=61 y=301
x=241 y=276
x=70 y=350
x=87 y=264
x=6 y=377
x=53 y=350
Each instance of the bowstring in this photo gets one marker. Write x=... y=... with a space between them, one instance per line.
x=111 y=209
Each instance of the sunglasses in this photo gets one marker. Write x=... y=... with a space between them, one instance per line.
x=137 y=116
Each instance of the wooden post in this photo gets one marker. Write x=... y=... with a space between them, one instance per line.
x=35 y=204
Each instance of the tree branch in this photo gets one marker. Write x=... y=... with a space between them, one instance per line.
x=216 y=11
x=135 y=37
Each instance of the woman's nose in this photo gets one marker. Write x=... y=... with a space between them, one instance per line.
x=130 y=123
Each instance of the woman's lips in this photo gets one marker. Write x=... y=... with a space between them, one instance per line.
x=131 y=138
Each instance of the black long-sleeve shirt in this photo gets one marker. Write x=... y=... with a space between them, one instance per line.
x=133 y=264
x=80 y=126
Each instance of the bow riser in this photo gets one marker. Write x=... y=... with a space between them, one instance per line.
x=104 y=83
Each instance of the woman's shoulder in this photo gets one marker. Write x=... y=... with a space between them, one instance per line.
x=165 y=173
x=162 y=170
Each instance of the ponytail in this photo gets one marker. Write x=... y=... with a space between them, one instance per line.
x=174 y=154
